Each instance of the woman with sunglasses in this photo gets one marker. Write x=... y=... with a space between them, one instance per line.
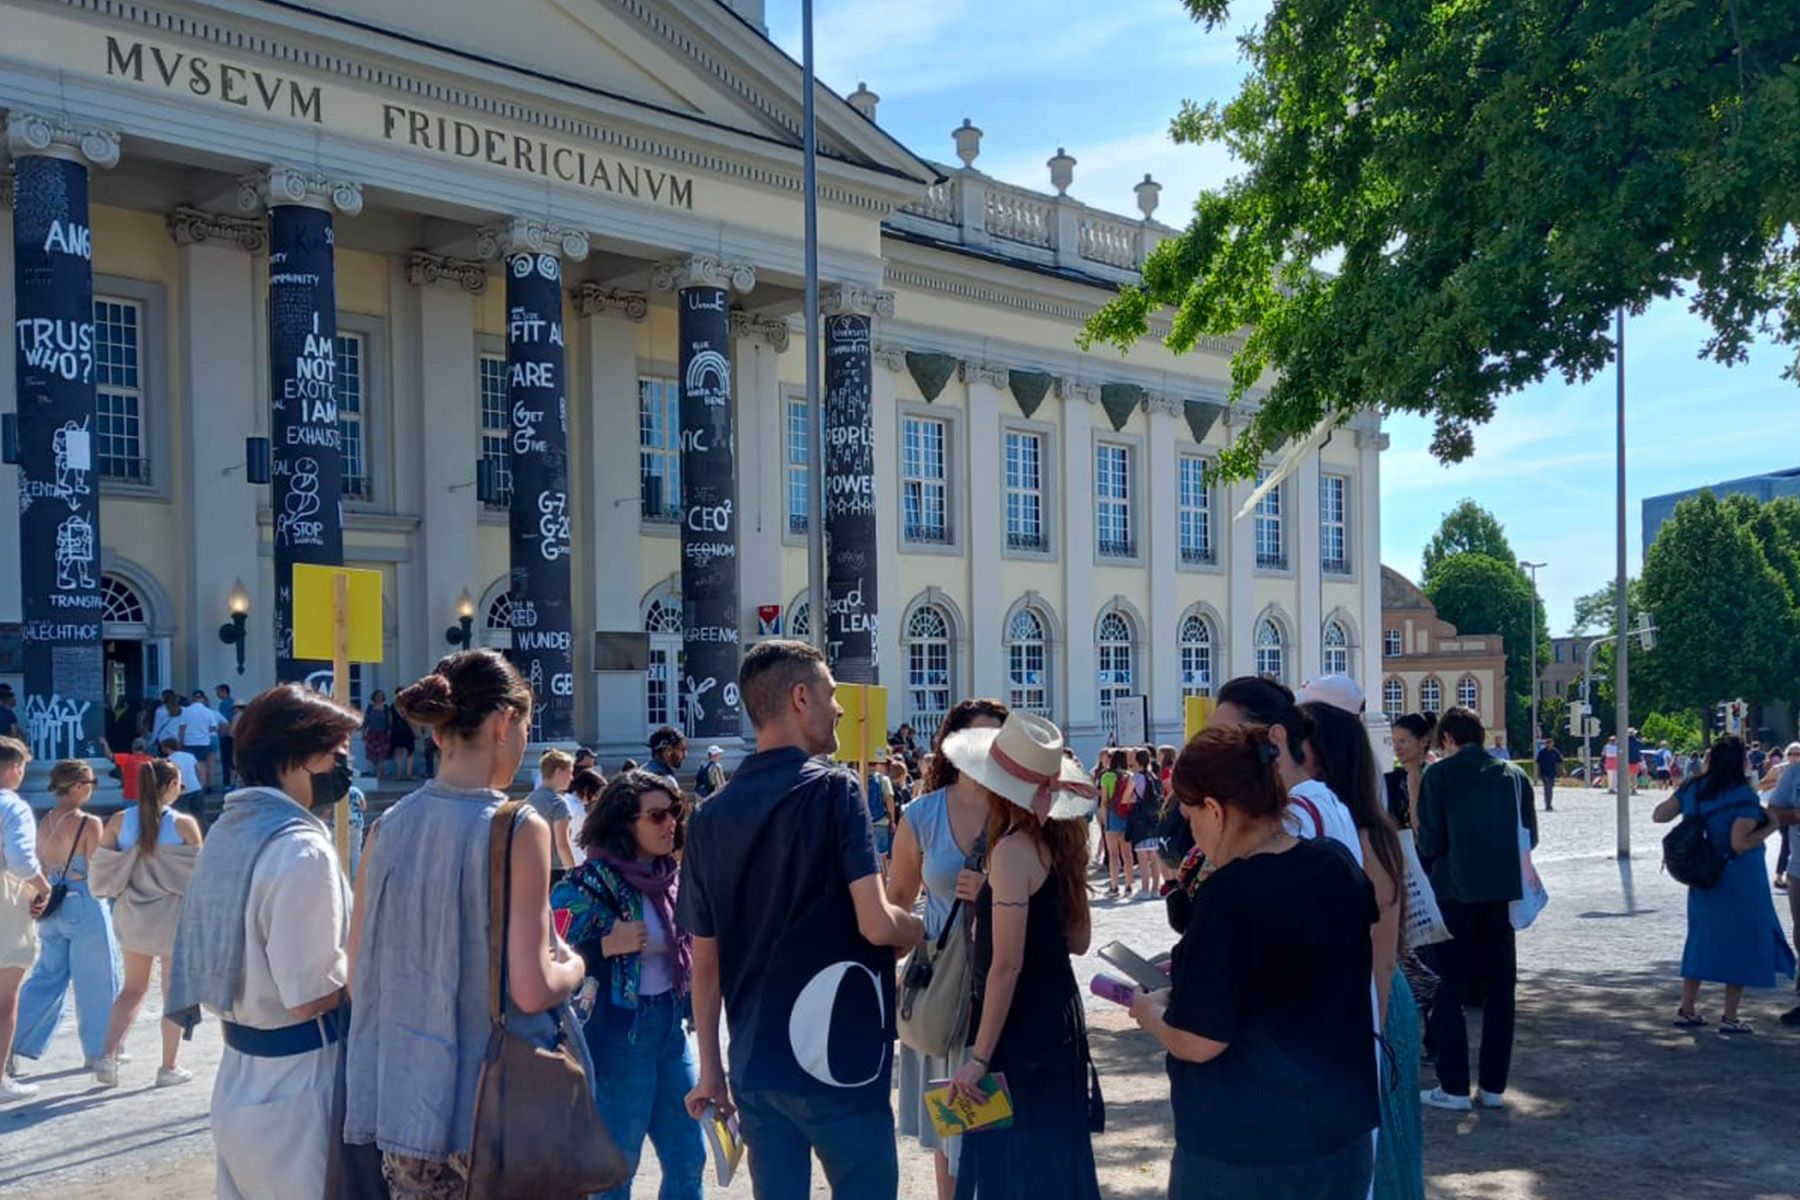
x=621 y=905
x=75 y=933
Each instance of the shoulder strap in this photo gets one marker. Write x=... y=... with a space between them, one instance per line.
x=500 y=841
x=1312 y=811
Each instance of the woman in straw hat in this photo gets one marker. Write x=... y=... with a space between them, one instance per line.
x=1031 y=915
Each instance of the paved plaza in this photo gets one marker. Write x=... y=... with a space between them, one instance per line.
x=1607 y=1100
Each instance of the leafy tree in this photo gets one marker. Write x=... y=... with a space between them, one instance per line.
x=1681 y=730
x=1488 y=180
x=1478 y=595
x=1597 y=612
x=1724 y=623
x=1466 y=529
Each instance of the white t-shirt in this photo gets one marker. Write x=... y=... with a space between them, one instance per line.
x=184 y=762
x=197 y=724
x=1334 y=819
x=166 y=726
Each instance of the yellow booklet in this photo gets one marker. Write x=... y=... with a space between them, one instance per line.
x=953 y=1115
x=727 y=1144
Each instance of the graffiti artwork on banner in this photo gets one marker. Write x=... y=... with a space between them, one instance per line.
x=295 y=524
x=546 y=265
x=710 y=518
x=850 y=495
x=717 y=635
x=70 y=448
x=524 y=614
x=542 y=639
x=54 y=727
x=320 y=437
x=63 y=348
x=690 y=699
x=314 y=381
x=69 y=237
x=704 y=299
x=524 y=325
x=709 y=376
x=75 y=553
x=59 y=631
x=562 y=684
x=553 y=525
x=525 y=422
x=702 y=553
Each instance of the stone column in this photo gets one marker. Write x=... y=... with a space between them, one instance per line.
x=709 y=521
x=758 y=343
x=1303 y=522
x=853 y=623
x=1240 y=551
x=1366 y=546
x=1083 y=707
x=306 y=467
x=1162 y=555
x=987 y=528
x=215 y=259
x=64 y=701
x=536 y=392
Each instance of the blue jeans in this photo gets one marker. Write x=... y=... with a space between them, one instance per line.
x=643 y=1071
x=855 y=1144
x=1343 y=1174
x=75 y=945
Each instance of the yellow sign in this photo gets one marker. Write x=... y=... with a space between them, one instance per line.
x=862 y=730
x=1198 y=709
x=315 y=628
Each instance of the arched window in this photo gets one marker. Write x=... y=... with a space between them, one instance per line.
x=1468 y=692
x=119 y=602
x=1196 y=642
x=928 y=684
x=799 y=625
x=1028 y=663
x=662 y=679
x=1393 y=698
x=1115 y=654
x=1431 y=695
x=1337 y=649
x=498 y=618
x=1271 y=650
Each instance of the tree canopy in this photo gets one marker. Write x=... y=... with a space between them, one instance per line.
x=1488 y=181
x=1466 y=529
x=1597 y=612
x=1480 y=594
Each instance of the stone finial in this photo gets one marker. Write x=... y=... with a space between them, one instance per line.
x=593 y=300
x=30 y=133
x=1062 y=171
x=194 y=227
x=968 y=142
x=1149 y=193
x=291 y=185
x=841 y=298
x=701 y=270
x=527 y=235
x=863 y=100
x=425 y=269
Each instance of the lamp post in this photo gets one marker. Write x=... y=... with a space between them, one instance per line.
x=236 y=631
x=462 y=634
x=1535 y=730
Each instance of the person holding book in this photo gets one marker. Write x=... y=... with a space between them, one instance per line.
x=1271 y=1057
x=1030 y=916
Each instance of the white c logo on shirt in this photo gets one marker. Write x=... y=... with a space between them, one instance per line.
x=809 y=1025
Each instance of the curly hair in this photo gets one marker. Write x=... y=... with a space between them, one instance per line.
x=611 y=825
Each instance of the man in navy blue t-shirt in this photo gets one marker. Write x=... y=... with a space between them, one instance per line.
x=794 y=940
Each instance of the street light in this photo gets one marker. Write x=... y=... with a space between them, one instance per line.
x=1533 y=568
x=236 y=631
x=462 y=634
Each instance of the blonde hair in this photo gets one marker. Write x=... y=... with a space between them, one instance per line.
x=553 y=761
x=69 y=772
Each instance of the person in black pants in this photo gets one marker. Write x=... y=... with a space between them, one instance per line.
x=1549 y=764
x=1471 y=806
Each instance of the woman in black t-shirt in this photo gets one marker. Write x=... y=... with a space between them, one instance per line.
x=1267 y=1022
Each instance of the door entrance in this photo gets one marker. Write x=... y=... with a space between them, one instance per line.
x=124 y=675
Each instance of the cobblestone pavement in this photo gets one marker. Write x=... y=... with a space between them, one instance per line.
x=1607 y=1099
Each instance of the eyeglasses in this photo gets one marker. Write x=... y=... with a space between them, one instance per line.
x=661 y=816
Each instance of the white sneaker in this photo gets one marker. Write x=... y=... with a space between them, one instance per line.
x=11 y=1089
x=172 y=1076
x=106 y=1072
x=1492 y=1099
x=1437 y=1097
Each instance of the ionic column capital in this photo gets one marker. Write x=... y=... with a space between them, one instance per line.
x=1075 y=389
x=851 y=299
x=1163 y=403
x=425 y=269
x=42 y=135
x=701 y=270
x=196 y=227
x=275 y=186
x=891 y=357
x=528 y=235
x=772 y=331
x=592 y=300
x=988 y=373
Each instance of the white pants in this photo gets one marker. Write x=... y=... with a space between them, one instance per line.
x=271 y=1123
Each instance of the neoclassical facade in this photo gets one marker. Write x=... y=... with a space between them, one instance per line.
x=505 y=303
x=1427 y=666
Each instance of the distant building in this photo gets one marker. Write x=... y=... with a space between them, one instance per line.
x=1563 y=669
x=1770 y=486
x=1426 y=665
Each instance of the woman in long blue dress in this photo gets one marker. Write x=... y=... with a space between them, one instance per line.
x=1734 y=936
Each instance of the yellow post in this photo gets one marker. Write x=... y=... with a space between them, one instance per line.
x=1197 y=710
x=340 y=691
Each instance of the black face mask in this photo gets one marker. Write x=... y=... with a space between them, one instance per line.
x=328 y=787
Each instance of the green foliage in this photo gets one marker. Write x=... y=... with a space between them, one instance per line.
x=1490 y=180
x=1479 y=594
x=1680 y=729
x=1597 y=612
x=1466 y=529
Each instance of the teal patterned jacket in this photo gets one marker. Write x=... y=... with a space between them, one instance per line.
x=592 y=916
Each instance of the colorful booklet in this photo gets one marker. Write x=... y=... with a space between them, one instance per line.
x=727 y=1144
x=952 y=1115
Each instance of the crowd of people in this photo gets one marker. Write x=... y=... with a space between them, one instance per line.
x=622 y=925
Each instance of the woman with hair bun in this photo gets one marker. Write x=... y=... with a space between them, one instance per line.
x=144 y=866
x=419 y=940
x=1266 y=1019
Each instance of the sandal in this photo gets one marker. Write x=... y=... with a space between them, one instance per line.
x=1735 y=1026
x=1687 y=1019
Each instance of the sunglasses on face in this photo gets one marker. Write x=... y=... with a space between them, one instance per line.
x=659 y=817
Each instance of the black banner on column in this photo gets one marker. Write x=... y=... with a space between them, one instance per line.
x=850 y=566
x=59 y=510
x=542 y=628
x=306 y=454
x=709 y=542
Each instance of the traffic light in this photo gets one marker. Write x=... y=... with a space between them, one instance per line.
x=1715 y=720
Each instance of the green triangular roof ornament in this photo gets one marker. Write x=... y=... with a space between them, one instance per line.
x=1201 y=416
x=931 y=372
x=1029 y=388
x=1120 y=400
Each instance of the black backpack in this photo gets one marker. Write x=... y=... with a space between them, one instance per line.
x=1689 y=854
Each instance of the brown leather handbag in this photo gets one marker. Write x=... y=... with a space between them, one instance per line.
x=537 y=1133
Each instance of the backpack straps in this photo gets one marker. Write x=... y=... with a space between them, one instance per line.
x=1311 y=810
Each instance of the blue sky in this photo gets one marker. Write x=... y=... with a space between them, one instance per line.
x=1102 y=80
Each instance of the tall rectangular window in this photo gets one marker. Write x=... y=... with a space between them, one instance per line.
x=1334 y=538
x=118 y=443
x=1390 y=643
x=1025 y=491
x=1271 y=542
x=924 y=480
x=496 y=427
x=1112 y=501
x=351 y=377
x=659 y=448
x=799 y=482
x=1196 y=511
